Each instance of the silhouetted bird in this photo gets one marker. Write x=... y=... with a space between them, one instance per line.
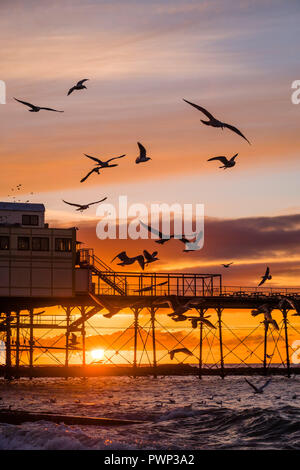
x=36 y=109
x=143 y=154
x=227 y=265
x=105 y=164
x=163 y=238
x=73 y=341
x=83 y=207
x=266 y=310
x=79 y=86
x=201 y=319
x=215 y=122
x=287 y=303
x=94 y=170
x=227 y=163
x=150 y=257
x=180 y=350
x=126 y=261
x=265 y=277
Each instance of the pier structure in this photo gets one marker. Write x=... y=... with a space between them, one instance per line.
x=42 y=267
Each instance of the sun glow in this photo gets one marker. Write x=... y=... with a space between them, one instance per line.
x=97 y=354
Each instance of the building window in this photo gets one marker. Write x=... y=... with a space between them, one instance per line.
x=4 y=243
x=63 y=244
x=30 y=219
x=23 y=243
x=40 y=244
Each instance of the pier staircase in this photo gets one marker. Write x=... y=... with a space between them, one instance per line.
x=100 y=269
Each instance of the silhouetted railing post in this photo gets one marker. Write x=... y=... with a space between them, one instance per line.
x=31 y=343
x=219 y=313
x=285 y=322
x=7 y=373
x=266 y=325
x=152 y=311
x=17 y=343
x=136 y=327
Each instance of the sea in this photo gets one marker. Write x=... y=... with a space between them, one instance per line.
x=177 y=413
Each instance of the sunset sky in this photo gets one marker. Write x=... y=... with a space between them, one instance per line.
x=142 y=58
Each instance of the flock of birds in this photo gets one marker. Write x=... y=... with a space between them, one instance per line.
x=146 y=258
x=99 y=165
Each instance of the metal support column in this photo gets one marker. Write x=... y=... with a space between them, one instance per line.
x=31 y=343
x=7 y=373
x=152 y=311
x=136 y=327
x=68 y=312
x=285 y=322
x=219 y=313
x=17 y=343
x=266 y=325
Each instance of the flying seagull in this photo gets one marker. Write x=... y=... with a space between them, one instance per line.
x=94 y=170
x=150 y=288
x=79 y=86
x=227 y=265
x=150 y=257
x=258 y=389
x=201 y=319
x=215 y=122
x=104 y=164
x=36 y=109
x=83 y=207
x=268 y=319
x=180 y=350
x=192 y=246
x=73 y=341
x=289 y=302
x=143 y=154
x=162 y=237
x=266 y=277
x=126 y=261
x=227 y=163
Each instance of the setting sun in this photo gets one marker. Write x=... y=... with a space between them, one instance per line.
x=97 y=354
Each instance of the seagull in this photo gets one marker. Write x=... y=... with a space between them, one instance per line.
x=265 y=277
x=180 y=350
x=227 y=265
x=266 y=310
x=150 y=257
x=79 y=86
x=73 y=341
x=177 y=307
x=162 y=237
x=201 y=319
x=215 y=122
x=258 y=389
x=126 y=261
x=102 y=164
x=83 y=207
x=94 y=170
x=36 y=109
x=285 y=302
x=227 y=163
x=143 y=154
x=149 y=288
x=192 y=246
